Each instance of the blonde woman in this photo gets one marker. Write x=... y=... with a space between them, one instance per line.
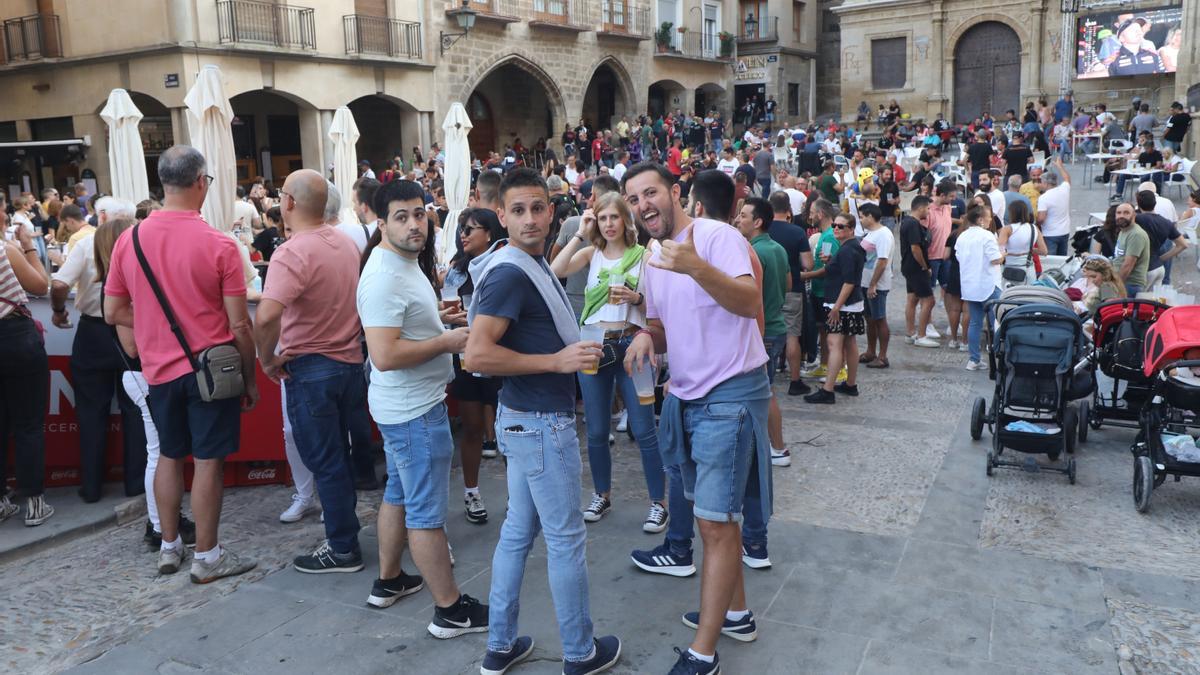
x=1103 y=283
x=607 y=245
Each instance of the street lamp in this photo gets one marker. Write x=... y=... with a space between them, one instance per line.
x=751 y=25
x=1067 y=43
x=465 y=16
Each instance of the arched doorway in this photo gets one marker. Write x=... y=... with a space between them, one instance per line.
x=383 y=130
x=266 y=136
x=483 y=126
x=664 y=96
x=521 y=103
x=987 y=71
x=711 y=96
x=607 y=97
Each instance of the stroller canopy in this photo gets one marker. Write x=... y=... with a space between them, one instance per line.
x=1175 y=332
x=1040 y=334
x=1110 y=315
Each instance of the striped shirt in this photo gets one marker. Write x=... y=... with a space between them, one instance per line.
x=10 y=287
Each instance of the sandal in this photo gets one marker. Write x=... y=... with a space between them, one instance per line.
x=866 y=358
x=879 y=363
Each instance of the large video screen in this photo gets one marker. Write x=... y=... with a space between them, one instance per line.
x=1123 y=43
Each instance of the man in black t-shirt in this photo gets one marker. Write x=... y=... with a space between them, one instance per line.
x=800 y=258
x=1017 y=158
x=979 y=157
x=1149 y=157
x=889 y=196
x=1177 y=127
x=914 y=265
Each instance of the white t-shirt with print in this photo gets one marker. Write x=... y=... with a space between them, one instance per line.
x=878 y=244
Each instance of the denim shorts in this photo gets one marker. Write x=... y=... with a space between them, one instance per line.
x=418 y=456
x=720 y=444
x=188 y=425
x=939 y=271
x=875 y=308
x=775 y=346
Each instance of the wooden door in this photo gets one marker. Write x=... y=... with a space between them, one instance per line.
x=987 y=71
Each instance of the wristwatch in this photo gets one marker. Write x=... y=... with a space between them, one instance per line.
x=641 y=300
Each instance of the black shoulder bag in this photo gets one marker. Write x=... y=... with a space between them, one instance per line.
x=218 y=369
x=1016 y=276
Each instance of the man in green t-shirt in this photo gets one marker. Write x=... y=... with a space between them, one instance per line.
x=821 y=214
x=828 y=185
x=1132 y=254
x=752 y=221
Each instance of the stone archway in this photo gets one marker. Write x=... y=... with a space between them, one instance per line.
x=665 y=96
x=609 y=94
x=523 y=99
x=386 y=126
x=987 y=70
x=267 y=137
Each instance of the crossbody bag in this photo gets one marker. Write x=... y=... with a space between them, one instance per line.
x=218 y=369
x=1020 y=275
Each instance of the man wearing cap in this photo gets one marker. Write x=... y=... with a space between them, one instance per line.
x=1134 y=58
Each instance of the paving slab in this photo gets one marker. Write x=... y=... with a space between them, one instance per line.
x=72 y=519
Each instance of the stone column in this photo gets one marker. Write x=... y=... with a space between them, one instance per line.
x=1037 y=51
x=179 y=127
x=316 y=150
x=937 y=55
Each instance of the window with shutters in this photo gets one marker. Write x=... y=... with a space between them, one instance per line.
x=889 y=63
x=371 y=7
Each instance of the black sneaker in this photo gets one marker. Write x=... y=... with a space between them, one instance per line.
x=661 y=560
x=489 y=450
x=187 y=530
x=498 y=663
x=325 y=560
x=468 y=615
x=742 y=630
x=820 y=396
x=798 y=387
x=847 y=389
x=152 y=539
x=690 y=665
x=385 y=592
x=597 y=509
x=476 y=512
x=606 y=653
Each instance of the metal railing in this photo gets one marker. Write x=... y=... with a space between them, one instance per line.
x=767 y=30
x=561 y=12
x=493 y=7
x=266 y=23
x=704 y=46
x=33 y=37
x=380 y=35
x=625 y=18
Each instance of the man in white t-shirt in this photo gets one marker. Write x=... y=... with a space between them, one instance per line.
x=989 y=186
x=619 y=169
x=876 y=282
x=1162 y=207
x=795 y=197
x=728 y=165
x=333 y=212
x=245 y=212
x=1054 y=209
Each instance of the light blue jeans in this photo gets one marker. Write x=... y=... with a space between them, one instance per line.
x=544 y=474
x=597 y=402
x=975 y=325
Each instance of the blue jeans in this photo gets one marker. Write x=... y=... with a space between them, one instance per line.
x=1057 y=245
x=1174 y=145
x=1166 y=246
x=1132 y=290
x=597 y=402
x=418 y=454
x=939 y=272
x=775 y=345
x=322 y=394
x=544 y=472
x=975 y=325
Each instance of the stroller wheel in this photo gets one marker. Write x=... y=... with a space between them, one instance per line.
x=1084 y=413
x=1069 y=427
x=1071 y=470
x=1143 y=482
x=991 y=463
x=978 y=412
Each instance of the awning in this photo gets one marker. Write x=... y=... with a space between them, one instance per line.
x=16 y=145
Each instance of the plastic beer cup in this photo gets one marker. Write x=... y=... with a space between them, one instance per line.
x=592 y=333
x=643 y=383
x=615 y=280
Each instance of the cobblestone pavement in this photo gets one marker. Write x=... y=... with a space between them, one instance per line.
x=894 y=553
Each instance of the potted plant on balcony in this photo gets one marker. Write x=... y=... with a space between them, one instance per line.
x=727 y=43
x=662 y=36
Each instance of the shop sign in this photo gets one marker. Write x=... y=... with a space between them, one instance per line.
x=752 y=68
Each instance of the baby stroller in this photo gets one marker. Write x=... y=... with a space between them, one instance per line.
x=1164 y=446
x=1017 y=296
x=1036 y=349
x=1118 y=340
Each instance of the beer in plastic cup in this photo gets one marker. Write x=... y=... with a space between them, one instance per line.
x=643 y=383
x=450 y=299
x=592 y=333
x=826 y=248
x=615 y=280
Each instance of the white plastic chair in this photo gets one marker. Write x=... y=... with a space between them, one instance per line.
x=1188 y=229
x=1179 y=179
x=1118 y=146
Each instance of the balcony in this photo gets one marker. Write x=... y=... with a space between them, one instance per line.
x=763 y=31
x=566 y=15
x=694 y=46
x=502 y=12
x=266 y=23
x=621 y=19
x=30 y=38
x=376 y=35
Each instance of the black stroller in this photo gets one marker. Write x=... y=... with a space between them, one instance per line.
x=1016 y=296
x=1164 y=446
x=1119 y=334
x=1036 y=349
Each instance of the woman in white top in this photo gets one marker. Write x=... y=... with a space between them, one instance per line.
x=607 y=245
x=1016 y=239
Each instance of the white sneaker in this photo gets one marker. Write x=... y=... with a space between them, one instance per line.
x=910 y=339
x=299 y=508
x=623 y=422
x=975 y=365
x=781 y=457
x=962 y=346
x=929 y=343
x=953 y=344
x=931 y=332
x=612 y=440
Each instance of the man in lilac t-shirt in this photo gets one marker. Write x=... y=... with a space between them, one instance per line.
x=701 y=304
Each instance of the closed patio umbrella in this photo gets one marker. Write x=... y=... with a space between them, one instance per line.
x=209 y=126
x=457 y=175
x=126 y=162
x=344 y=134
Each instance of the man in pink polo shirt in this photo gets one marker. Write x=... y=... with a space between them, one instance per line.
x=702 y=302
x=200 y=272
x=307 y=333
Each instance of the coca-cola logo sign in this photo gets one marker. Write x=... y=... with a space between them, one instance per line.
x=261 y=474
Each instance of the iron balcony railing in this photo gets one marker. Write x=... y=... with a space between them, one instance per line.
x=567 y=13
x=622 y=17
x=380 y=35
x=492 y=7
x=694 y=45
x=766 y=30
x=266 y=23
x=29 y=38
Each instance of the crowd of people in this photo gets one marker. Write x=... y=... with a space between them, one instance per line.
x=659 y=277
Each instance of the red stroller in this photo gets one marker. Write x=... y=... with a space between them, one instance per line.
x=1120 y=332
x=1164 y=446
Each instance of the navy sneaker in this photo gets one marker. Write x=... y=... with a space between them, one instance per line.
x=498 y=663
x=690 y=665
x=605 y=655
x=742 y=630
x=661 y=560
x=755 y=557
